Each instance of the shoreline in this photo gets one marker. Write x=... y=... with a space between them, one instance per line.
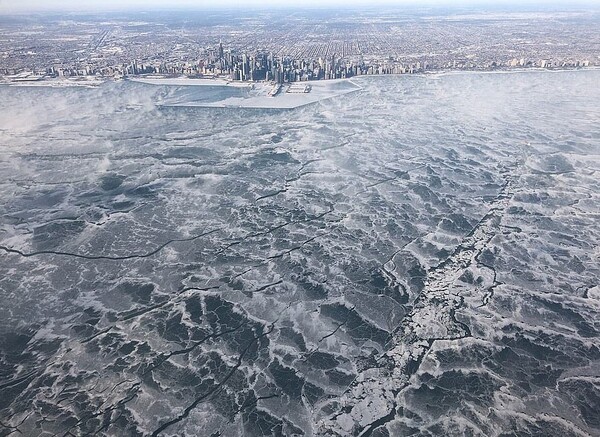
x=504 y=71
x=94 y=81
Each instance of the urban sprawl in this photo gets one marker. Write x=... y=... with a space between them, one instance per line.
x=292 y=48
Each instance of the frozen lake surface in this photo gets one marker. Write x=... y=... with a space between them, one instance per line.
x=420 y=256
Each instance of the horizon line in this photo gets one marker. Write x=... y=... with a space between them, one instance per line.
x=116 y=6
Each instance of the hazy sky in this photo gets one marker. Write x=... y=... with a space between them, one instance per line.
x=78 y=5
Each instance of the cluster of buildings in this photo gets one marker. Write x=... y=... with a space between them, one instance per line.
x=263 y=66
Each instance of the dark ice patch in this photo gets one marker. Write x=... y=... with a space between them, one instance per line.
x=322 y=360
x=288 y=334
x=138 y=291
x=553 y=164
x=444 y=393
x=270 y=158
x=340 y=378
x=585 y=395
x=111 y=181
x=52 y=235
x=190 y=152
x=356 y=326
x=287 y=379
x=456 y=223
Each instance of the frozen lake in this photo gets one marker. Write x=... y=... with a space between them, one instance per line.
x=400 y=255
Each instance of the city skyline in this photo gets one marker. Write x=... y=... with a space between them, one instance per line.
x=291 y=46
